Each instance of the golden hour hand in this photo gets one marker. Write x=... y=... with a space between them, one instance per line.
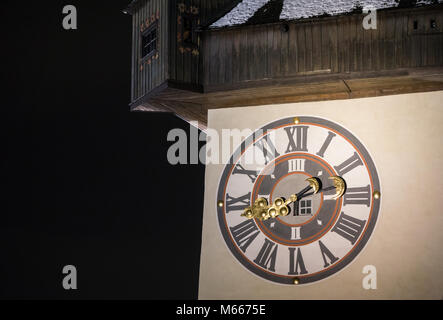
x=258 y=210
x=314 y=184
x=338 y=183
x=261 y=210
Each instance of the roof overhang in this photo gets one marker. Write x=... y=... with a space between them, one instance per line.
x=131 y=7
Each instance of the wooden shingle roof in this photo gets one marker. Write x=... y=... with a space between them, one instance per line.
x=270 y=11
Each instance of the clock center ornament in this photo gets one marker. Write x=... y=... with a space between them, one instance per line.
x=263 y=211
x=307 y=209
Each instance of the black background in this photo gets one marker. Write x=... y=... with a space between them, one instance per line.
x=84 y=181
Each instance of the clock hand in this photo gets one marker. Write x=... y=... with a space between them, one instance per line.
x=314 y=184
x=258 y=210
x=339 y=185
x=262 y=211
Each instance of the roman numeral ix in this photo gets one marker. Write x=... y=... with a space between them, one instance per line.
x=240 y=203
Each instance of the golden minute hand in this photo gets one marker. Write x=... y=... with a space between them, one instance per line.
x=261 y=210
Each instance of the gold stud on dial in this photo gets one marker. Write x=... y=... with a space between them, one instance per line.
x=377 y=195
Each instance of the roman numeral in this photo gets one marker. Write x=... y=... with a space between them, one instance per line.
x=296 y=264
x=348 y=165
x=298 y=137
x=245 y=233
x=270 y=152
x=252 y=174
x=358 y=196
x=296 y=165
x=326 y=144
x=295 y=233
x=240 y=203
x=267 y=256
x=327 y=254
x=348 y=227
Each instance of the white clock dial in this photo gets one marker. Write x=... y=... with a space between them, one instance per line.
x=321 y=234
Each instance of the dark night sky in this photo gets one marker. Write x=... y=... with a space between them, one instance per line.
x=84 y=181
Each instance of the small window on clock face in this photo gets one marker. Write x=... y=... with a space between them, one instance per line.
x=305 y=207
x=149 y=41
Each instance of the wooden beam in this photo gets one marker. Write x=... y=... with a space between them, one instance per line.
x=193 y=106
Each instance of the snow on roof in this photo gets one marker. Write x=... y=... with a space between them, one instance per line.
x=298 y=9
x=240 y=14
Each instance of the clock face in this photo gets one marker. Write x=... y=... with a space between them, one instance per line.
x=321 y=234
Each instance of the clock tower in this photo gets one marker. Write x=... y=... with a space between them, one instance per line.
x=191 y=56
x=345 y=120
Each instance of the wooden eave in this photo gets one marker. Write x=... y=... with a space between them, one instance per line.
x=192 y=102
x=193 y=106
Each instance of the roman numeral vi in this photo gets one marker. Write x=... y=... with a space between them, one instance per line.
x=296 y=264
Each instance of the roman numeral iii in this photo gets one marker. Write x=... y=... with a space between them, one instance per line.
x=295 y=165
x=360 y=196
